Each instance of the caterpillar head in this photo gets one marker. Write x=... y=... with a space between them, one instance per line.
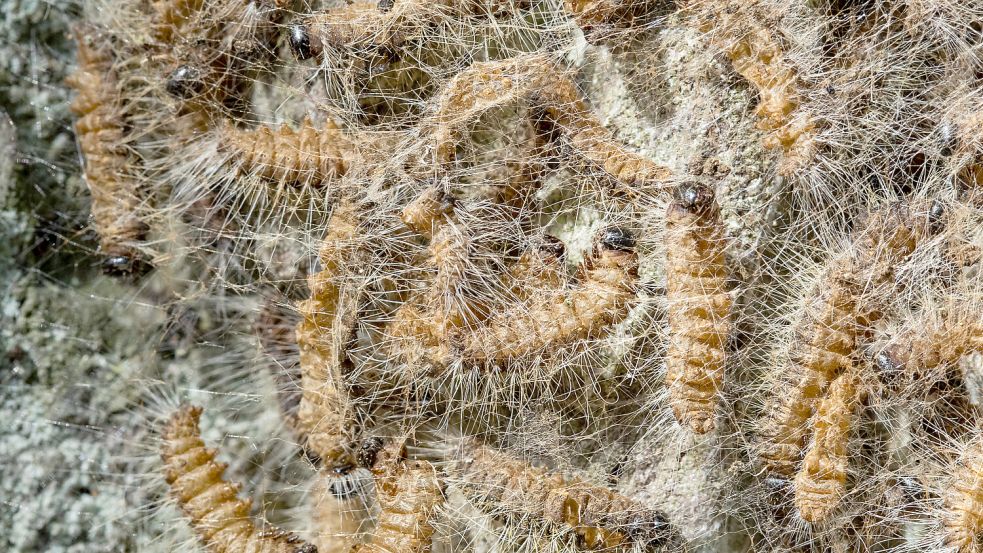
x=694 y=198
x=127 y=264
x=551 y=248
x=614 y=247
x=303 y=44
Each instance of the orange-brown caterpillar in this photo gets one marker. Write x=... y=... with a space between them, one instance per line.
x=962 y=520
x=934 y=346
x=835 y=315
x=108 y=164
x=323 y=335
x=429 y=318
x=408 y=493
x=699 y=306
x=306 y=156
x=172 y=15
x=220 y=519
x=485 y=86
x=603 y=519
x=757 y=55
x=601 y=299
x=591 y=15
x=538 y=269
x=821 y=480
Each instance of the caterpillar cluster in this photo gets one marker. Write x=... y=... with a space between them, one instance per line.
x=493 y=260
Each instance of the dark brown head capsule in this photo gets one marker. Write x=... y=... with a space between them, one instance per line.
x=301 y=43
x=936 y=217
x=123 y=265
x=385 y=5
x=368 y=452
x=552 y=247
x=185 y=82
x=617 y=239
x=694 y=197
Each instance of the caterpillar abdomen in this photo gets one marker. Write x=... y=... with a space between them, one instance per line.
x=699 y=307
x=555 y=318
x=963 y=504
x=822 y=478
x=408 y=498
x=108 y=172
x=220 y=519
x=306 y=156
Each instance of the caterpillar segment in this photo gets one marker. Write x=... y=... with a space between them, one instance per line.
x=836 y=315
x=218 y=516
x=172 y=15
x=307 y=156
x=538 y=270
x=821 y=481
x=756 y=53
x=600 y=300
x=324 y=334
x=602 y=519
x=108 y=165
x=597 y=15
x=962 y=517
x=537 y=81
x=699 y=306
x=934 y=347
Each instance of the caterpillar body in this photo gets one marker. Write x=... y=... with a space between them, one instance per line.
x=699 y=306
x=962 y=520
x=485 y=86
x=538 y=269
x=108 y=173
x=822 y=478
x=602 y=519
x=936 y=345
x=306 y=156
x=409 y=493
x=220 y=519
x=827 y=334
x=601 y=300
x=323 y=335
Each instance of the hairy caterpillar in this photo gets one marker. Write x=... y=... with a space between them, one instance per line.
x=937 y=344
x=591 y=15
x=323 y=335
x=220 y=519
x=821 y=480
x=602 y=519
x=757 y=55
x=171 y=16
x=108 y=172
x=306 y=156
x=834 y=318
x=699 y=306
x=962 y=520
x=536 y=80
x=601 y=299
x=429 y=318
x=408 y=493
x=538 y=269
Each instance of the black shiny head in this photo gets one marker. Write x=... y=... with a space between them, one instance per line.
x=368 y=451
x=936 y=217
x=307 y=548
x=616 y=239
x=385 y=5
x=123 y=265
x=888 y=364
x=185 y=82
x=553 y=247
x=694 y=197
x=300 y=41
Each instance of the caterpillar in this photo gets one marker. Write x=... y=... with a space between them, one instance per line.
x=107 y=162
x=307 y=156
x=821 y=480
x=171 y=16
x=699 y=306
x=430 y=318
x=220 y=519
x=408 y=493
x=538 y=269
x=937 y=344
x=323 y=336
x=826 y=336
x=757 y=55
x=592 y=15
x=485 y=86
x=601 y=518
x=601 y=299
x=962 y=519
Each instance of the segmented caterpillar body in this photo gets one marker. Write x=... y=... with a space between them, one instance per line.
x=323 y=335
x=962 y=519
x=699 y=306
x=935 y=345
x=822 y=478
x=485 y=86
x=108 y=165
x=408 y=494
x=305 y=156
x=602 y=299
x=220 y=519
x=603 y=519
x=826 y=336
x=171 y=15
x=537 y=270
